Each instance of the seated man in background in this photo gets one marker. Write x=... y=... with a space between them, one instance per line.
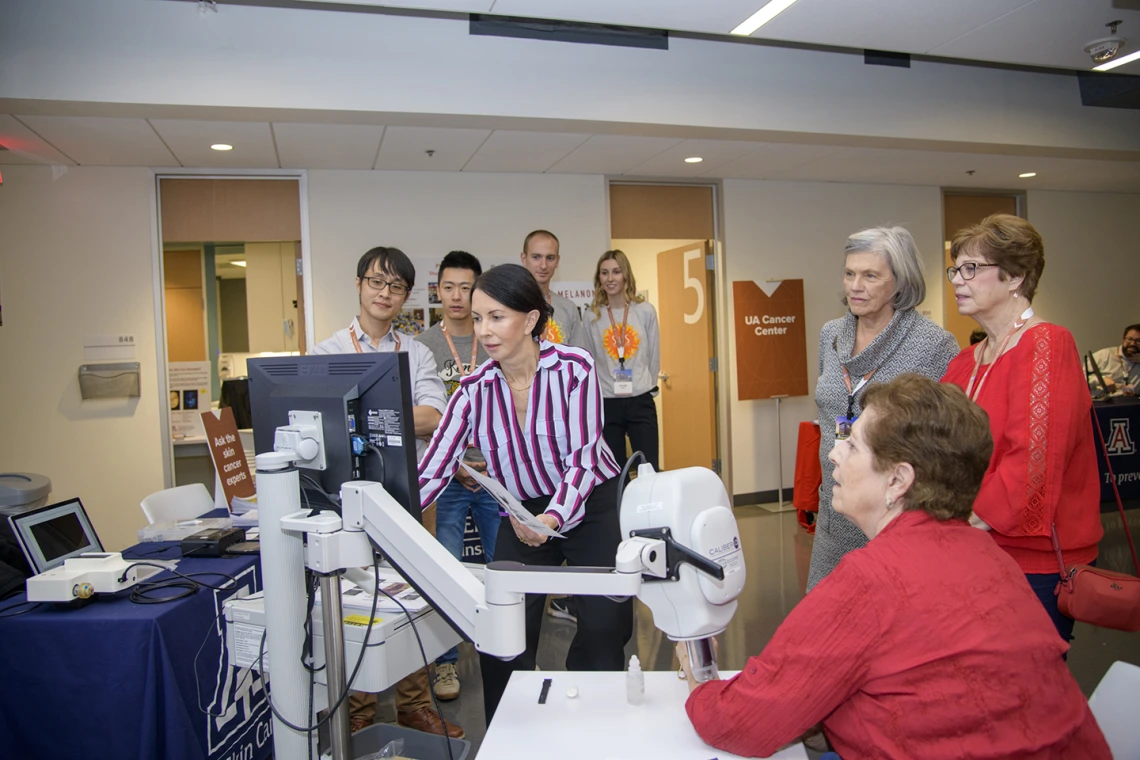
x=1120 y=365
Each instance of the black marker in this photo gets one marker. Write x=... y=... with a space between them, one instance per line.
x=545 y=690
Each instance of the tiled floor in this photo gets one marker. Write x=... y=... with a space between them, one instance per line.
x=777 y=557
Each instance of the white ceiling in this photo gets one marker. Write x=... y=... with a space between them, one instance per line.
x=1049 y=33
x=71 y=140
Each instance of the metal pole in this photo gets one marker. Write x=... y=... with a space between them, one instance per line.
x=331 y=620
x=780 y=451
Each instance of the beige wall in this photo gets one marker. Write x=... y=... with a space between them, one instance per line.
x=76 y=260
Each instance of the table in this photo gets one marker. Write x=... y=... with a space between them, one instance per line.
x=599 y=723
x=116 y=679
x=1120 y=424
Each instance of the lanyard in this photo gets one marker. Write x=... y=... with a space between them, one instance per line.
x=852 y=391
x=981 y=349
x=356 y=343
x=455 y=354
x=620 y=341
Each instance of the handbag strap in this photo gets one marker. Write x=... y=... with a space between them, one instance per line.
x=1115 y=491
x=1065 y=577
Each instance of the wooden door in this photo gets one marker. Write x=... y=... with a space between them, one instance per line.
x=688 y=381
x=185 y=306
x=959 y=211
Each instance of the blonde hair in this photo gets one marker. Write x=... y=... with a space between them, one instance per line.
x=600 y=297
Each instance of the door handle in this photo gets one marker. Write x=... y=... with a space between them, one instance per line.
x=663 y=376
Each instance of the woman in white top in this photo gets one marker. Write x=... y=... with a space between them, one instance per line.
x=622 y=335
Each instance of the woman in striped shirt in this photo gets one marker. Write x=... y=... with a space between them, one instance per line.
x=535 y=411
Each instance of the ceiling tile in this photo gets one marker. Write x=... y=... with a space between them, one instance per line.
x=26 y=147
x=771 y=160
x=714 y=153
x=327 y=146
x=95 y=141
x=612 y=154
x=406 y=148
x=509 y=151
x=191 y=141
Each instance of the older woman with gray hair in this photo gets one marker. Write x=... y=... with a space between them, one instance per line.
x=880 y=338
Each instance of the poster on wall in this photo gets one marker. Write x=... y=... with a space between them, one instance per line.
x=581 y=293
x=771 y=340
x=189 y=397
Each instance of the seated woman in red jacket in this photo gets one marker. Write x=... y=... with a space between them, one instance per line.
x=928 y=643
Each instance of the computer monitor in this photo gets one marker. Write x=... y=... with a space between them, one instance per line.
x=369 y=395
x=49 y=535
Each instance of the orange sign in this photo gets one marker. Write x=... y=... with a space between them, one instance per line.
x=228 y=455
x=771 y=340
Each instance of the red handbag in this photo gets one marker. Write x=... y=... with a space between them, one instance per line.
x=1095 y=596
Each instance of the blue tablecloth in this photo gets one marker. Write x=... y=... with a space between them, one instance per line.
x=116 y=679
x=1120 y=425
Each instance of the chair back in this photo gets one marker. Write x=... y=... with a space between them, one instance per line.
x=178 y=503
x=1114 y=705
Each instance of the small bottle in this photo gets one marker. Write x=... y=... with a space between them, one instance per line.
x=634 y=682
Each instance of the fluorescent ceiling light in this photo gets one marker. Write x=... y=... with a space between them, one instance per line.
x=1027 y=175
x=693 y=160
x=762 y=16
x=1118 y=62
x=221 y=146
x=238 y=263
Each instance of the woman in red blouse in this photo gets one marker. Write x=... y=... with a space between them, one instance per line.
x=924 y=644
x=1027 y=375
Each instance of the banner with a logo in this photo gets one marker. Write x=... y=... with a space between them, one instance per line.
x=1119 y=424
x=771 y=340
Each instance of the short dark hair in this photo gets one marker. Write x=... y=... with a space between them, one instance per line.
x=939 y=432
x=515 y=287
x=459 y=260
x=1130 y=328
x=540 y=233
x=392 y=260
x=1009 y=241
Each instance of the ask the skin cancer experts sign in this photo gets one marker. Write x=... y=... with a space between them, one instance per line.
x=771 y=340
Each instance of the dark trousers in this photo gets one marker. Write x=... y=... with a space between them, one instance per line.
x=1043 y=585
x=604 y=626
x=636 y=417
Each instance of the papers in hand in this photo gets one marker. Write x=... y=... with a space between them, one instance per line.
x=511 y=504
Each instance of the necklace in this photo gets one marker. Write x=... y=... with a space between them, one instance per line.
x=516 y=388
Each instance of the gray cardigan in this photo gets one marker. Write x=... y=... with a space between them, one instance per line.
x=909 y=343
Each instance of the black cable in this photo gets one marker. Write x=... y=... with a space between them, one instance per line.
x=33 y=606
x=309 y=479
x=423 y=654
x=141 y=593
x=380 y=458
x=625 y=474
x=348 y=684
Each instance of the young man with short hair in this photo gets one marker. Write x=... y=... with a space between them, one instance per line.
x=457 y=353
x=384 y=277
x=540 y=256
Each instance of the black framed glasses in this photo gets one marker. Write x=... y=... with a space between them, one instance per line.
x=379 y=283
x=967 y=270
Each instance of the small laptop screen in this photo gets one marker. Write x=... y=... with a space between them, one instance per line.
x=49 y=535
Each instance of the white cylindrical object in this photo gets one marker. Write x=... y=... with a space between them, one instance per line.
x=634 y=682
x=283 y=583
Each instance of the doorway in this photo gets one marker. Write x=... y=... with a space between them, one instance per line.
x=231 y=270
x=669 y=234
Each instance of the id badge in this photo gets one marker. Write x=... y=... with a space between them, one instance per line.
x=843 y=427
x=623 y=382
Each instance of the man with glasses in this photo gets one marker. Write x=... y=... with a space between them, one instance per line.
x=384 y=276
x=1120 y=365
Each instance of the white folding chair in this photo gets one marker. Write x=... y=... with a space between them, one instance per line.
x=179 y=503
x=1114 y=705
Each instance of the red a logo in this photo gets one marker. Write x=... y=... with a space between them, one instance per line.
x=1119 y=440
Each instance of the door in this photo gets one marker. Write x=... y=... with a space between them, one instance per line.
x=688 y=372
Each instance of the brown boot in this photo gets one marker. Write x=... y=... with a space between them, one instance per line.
x=427 y=720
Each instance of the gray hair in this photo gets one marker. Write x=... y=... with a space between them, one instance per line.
x=897 y=246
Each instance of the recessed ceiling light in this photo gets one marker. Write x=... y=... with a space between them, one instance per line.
x=1027 y=175
x=1118 y=62
x=693 y=160
x=762 y=16
x=238 y=263
x=221 y=146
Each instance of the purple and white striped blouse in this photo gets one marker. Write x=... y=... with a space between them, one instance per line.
x=562 y=453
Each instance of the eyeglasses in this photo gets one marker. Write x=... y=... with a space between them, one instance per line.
x=967 y=270
x=379 y=283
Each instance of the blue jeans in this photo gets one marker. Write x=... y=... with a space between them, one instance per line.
x=1043 y=585
x=451 y=508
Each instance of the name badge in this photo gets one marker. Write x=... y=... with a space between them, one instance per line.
x=623 y=382
x=843 y=427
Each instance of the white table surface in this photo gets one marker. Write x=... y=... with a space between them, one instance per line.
x=599 y=724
